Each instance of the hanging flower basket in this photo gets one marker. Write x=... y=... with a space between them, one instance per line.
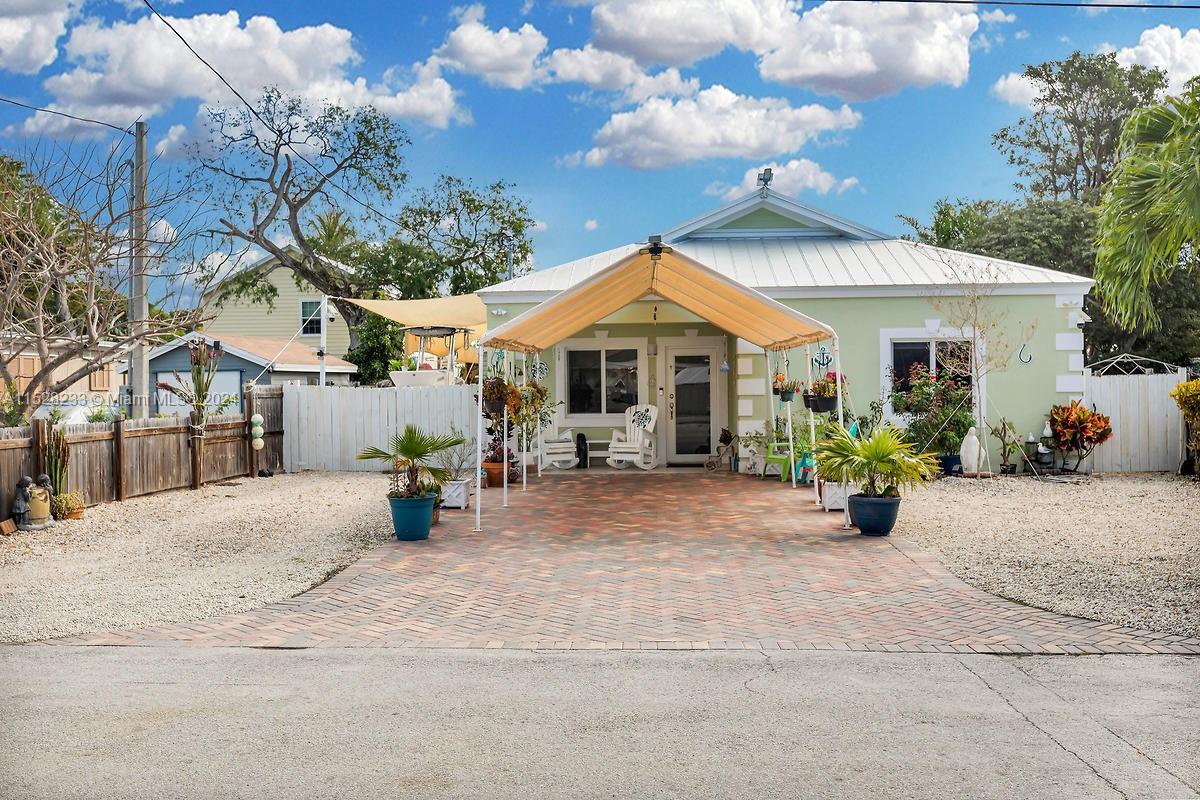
x=819 y=403
x=786 y=396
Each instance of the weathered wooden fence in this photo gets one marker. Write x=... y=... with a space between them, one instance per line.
x=1148 y=429
x=128 y=458
x=326 y=426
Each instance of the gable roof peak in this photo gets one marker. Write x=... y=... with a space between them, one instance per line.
x=798 y=220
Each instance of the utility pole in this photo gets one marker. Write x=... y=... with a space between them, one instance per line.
x=139 y=307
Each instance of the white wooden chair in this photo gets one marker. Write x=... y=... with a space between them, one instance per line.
x=560 y=452
x=635 y=444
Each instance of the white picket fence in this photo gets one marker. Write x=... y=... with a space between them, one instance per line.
x=1148 y=429
x=326 y=426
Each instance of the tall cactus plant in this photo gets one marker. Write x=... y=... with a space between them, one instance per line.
x=58 y=458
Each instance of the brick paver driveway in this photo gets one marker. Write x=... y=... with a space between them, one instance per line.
x=670 y=560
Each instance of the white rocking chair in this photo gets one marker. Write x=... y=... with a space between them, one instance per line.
x=560 y=452
x=635 y=444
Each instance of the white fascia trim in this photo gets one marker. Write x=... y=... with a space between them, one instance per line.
x=775 y=202
x=815 y=292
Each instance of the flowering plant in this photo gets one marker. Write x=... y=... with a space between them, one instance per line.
x=791 y=386
x=777 y=380
x=827 y=386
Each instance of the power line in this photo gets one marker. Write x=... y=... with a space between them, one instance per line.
x=65 y=114
x=266 y=124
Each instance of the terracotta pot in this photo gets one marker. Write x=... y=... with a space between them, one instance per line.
x=76 y=514
x=495 y=473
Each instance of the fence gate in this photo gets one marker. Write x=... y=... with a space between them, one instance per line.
x=1148 y=429
x=326 y=426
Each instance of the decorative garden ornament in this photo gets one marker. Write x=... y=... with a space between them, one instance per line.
x=969 y=452
x=31 y=507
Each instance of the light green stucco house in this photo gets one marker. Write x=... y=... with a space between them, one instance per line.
x=889 y=300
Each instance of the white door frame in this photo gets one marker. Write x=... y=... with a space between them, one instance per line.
x=668 y=348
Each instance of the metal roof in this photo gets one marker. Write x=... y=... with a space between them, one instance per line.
x=813 y=266
x=822 y=255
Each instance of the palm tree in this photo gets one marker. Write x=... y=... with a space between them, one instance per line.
x=333 y=234
x=1149 y=223
x=411 y=456
x=881 y=462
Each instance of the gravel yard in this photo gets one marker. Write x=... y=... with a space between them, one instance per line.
x=187 y=555
x=1123 y=549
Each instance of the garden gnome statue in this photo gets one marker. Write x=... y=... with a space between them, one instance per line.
x=969 y=452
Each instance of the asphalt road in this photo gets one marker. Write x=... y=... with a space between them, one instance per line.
x=234 y=723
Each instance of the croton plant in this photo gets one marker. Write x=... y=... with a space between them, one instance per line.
x=1078 y=429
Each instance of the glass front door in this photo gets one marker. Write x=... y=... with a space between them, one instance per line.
x=690 y=407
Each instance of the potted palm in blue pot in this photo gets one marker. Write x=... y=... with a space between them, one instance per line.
x=882 y=463
x=415 y=478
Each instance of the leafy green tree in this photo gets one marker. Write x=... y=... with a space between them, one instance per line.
x=1150 y=216
x=1067 y=146
x=953 y=224
x=290 y=176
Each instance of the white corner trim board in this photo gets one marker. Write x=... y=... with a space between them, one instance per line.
x=745 y=366
x=752 y=387
x=746 y=407
x=1069 y=384
x=1075 y=362
x=1072 y=341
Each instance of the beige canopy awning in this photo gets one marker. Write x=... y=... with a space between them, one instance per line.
x=466 y=312
x=731 y=306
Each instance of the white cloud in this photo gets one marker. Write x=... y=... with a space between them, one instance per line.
x=1168 y=48
x=997 y=16
x=122 y=70
x=29 y=33
x=860 y=51
x=607 y=71
x=1098 y=6
x=716 y=123
x=681 y=32
x=591 y=225
x=539 y=226
x=792 y=178
x=503 y=57
x=1015 y=88
x=1021 y=35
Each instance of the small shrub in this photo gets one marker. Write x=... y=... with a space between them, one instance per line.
x=938 y=410
x=65 y=504
x=1187 y=397
x=1079 y=430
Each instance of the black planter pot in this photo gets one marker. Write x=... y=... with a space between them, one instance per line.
x=786 y=396
x=874 y=516
x=950 y=464
x=819 y=404
x=1008 y=469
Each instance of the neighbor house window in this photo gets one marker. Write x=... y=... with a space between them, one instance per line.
x=310 y=317
x=602 y=381
x=946 y=357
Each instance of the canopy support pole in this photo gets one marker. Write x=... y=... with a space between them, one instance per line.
x=523 y=435
x=787 y=407
x=537 y=359
x=771 y=403
x=479 y=445
x=504 y=431
x=812 y=423
x=837 y=365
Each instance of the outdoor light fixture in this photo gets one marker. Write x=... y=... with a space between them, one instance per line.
x=655 y=248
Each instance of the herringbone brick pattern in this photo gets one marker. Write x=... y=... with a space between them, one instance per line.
x=664 y=561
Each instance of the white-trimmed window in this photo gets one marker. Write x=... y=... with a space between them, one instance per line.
x=932 y=346
x=311 y=320
x=939 y=355
x=599 y=378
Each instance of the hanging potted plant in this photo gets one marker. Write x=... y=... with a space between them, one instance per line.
x=495 y=395
x=788 y=389
x=882 y=464
x=777 y=381
x=822 y=394
x=414 y=479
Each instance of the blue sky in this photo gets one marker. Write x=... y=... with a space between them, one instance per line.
x=614 y=119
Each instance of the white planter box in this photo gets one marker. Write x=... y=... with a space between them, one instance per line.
x=833 y=496
x=456 y=494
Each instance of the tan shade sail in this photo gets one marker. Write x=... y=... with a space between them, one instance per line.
x=737 y=309
x=459 y=311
